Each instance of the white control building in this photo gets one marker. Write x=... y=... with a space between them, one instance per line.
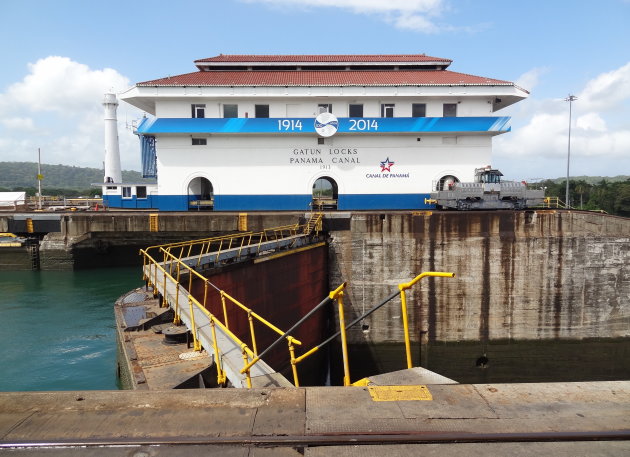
x=352 y=132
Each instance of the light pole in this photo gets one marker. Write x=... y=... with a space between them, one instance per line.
x=570 y=99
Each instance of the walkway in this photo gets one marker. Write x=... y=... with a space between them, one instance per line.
x=170 y=269
x=560 y=419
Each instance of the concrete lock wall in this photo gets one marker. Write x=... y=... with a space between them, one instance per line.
x=519 y=275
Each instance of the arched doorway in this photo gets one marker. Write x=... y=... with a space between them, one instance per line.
x=446 y=182
x=200 y=195
x=325 y=193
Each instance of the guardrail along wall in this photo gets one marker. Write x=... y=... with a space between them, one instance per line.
x=283 y=289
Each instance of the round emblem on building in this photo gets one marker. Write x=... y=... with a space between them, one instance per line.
x=326 y=124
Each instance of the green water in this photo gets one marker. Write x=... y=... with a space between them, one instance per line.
x=58 y=330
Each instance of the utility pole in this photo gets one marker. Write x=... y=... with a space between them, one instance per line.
x=570 y=99
x=39 y=179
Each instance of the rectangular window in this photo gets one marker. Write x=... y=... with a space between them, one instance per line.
x=450 y=110
x=261 y=110
x=198 y=110
x=355 y=110
x=141 y=191
x=387 y=110
x=419 y=110
x=199 y=141
x=324 y=108
x=230 y=110
x=126 y=192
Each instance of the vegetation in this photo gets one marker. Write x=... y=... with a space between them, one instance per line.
x=58 y=179
x=610 y=196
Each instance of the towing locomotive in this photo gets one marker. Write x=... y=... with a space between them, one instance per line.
x=487 y=191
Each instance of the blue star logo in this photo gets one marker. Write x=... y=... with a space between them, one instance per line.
x=386 y=165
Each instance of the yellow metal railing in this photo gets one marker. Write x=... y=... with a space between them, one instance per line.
x=217 y=245
x=338 y=295
x=552 y=202
x=170 y=269
x=165 y=277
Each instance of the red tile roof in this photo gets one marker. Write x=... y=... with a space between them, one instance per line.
x=325 y=58
x=325 y=78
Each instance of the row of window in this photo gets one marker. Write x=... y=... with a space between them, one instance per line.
x=354 y=110
x=141 y=191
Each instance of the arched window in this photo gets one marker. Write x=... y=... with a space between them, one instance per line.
x=325 y=193
x=447 y=182
x=200 y=194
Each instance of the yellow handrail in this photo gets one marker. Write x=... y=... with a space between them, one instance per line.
x=172 y=255
x=403 y=304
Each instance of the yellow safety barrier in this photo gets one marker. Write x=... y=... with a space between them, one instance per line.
x=403 y=304
x=170 y=269
x=553 y=202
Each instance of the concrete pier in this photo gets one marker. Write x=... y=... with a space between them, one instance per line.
x=567 y=419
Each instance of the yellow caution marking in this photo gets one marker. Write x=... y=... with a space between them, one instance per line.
x=153 y=222
x=400 y=393
x=242 y=222
x=421 y=213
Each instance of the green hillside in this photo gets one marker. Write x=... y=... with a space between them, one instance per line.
x=24 y=174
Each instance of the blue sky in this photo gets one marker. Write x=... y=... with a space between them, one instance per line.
x=59 y=57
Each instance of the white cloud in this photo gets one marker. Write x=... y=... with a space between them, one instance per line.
x=18 y=123
x=600 y=137
x=57 y=107
x=405 y=14
x=591 y=121
x=607 y=90
x=530 y=79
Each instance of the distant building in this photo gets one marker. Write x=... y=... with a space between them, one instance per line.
x=352 y=132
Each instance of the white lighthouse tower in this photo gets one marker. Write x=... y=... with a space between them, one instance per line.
x=112 y=151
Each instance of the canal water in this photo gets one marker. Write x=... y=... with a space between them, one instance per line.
x=58 y=330
x=58 y=333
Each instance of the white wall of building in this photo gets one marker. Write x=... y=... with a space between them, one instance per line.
x=274 y=165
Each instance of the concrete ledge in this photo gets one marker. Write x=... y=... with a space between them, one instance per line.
x=312 y=417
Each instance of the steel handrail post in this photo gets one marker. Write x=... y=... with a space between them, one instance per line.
x=296 y=381
x=190 y=278
x=403 y=306
x=205 y=294
x=177 y=319
x=164 y=294
x=402 y=287
x=155 y=278
x=344 y=341
x=247 y=373
x=196 y=343
x=144 y=264
x=251 y=330
x=218 y=256
x=225 y=315
x=217 y=356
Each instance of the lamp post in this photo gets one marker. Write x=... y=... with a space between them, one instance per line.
x=570 y=99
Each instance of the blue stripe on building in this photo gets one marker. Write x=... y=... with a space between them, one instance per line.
x=306 y=125
x=272 y=202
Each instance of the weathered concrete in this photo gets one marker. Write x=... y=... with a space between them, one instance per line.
x=519 y=275
x=308 y=419
x=75 y=240
x=15 y=258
